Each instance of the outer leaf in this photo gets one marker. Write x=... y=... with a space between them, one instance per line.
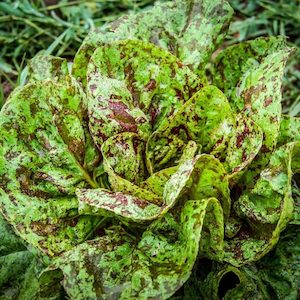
x=232 y=63
x=133 y=87
x=189 y=29
x=106 y=203
x=280 y=269
x=268 y=207
x=227 y=282
x=263 y=203
x=264 y=100
x=43 y=67
x=9 y=241
x=12 y=269
x=14 y=261
x=256 y=85
x=42 y=156
x=206 y=119
x=153 y=267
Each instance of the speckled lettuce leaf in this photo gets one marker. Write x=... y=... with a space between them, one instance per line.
x=152 y=266
x=267 y=208
x=289 y=130
x=206 y=119
x=42 y=163
x=103 y=202
x=199 y=178
x=264 y=203
x=256 y=85
x=232 y=63
x=261 y=91
x=189 y=29
x=123 y=161
x=124 y=154
x=133 y=86
x=43 y=67
x=243 y=146
x=156 y=182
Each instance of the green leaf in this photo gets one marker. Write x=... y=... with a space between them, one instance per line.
x=124 y=154
x=243 y=147
x=153 y=266
x=133 y=86
x=199 y=178
x=280 y=270
x=267 y=207
x=125 y=174
x=228 y=282
x=117 y=204
x=275 y=276
x=15 y=261
x=43 y=67
x=255 y=87
x=189 y=29
x=9 y=241
x=206 y=119
x=42 y=157
x=156 y=182
x=234 y=62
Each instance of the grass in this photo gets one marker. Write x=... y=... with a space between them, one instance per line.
x=26 y=27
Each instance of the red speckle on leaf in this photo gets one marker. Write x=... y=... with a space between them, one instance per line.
x=151 y=85
x=268 y=101
x=121 y=115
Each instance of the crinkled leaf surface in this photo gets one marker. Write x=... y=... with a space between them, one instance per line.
x=125 y=166
x=255 y=88
x=42 y=158
x=198 y=178
x=232 y=63
x=189 y=29
x=133 y=87
x=43 y=67
x=205 y=119
x=124 y=154
x=267 y=207
x=154 y=266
